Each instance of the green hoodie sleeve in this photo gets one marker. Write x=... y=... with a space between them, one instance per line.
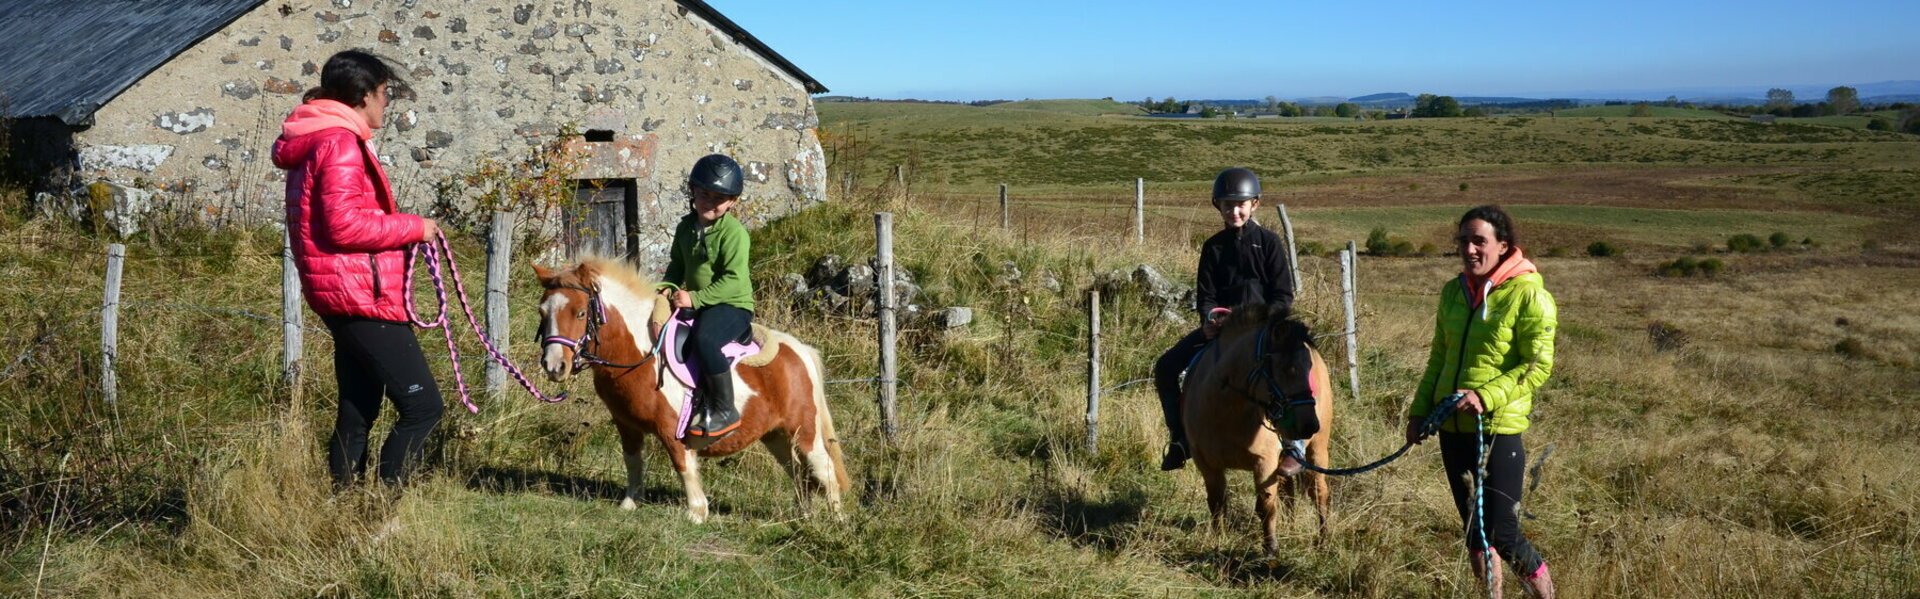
x=1533 y=334
x=1436 y=358
x=731 y=252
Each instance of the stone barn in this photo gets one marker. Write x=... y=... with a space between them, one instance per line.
x=123 y=109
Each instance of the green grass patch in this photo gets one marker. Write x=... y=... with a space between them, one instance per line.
x=1625 y=111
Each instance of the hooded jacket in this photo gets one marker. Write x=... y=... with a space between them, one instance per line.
x=1497 y=341
x=347 y=235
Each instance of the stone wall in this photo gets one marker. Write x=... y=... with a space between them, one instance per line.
x=489 y=78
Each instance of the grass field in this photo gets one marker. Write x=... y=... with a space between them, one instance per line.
x=1619 y=111
x=1767 y=452
x=970 y=149
x=1077 y=107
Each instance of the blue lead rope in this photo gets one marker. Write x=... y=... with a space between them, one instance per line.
x=1428 y=427
x=1480 y=502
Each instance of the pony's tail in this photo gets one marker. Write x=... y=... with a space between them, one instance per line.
x=824 y=419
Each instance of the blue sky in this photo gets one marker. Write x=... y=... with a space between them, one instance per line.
x=993 y=49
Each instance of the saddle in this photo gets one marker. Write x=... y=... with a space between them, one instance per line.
x=674 y=330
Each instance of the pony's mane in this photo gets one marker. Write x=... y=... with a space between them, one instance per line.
x=1249 y=317
x=613 y=268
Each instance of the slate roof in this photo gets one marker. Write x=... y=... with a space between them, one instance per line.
x=66 y=58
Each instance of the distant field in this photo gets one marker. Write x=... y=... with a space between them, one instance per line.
x=1658 y=112
x=1079 y=107
x=966 y=148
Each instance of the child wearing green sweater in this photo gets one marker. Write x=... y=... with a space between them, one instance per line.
x=707 y=267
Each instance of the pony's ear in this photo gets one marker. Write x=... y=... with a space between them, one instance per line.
x=1299 y=330
x=545 y=275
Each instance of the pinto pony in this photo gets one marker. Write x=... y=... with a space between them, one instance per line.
x=1260 y=382
x=599 y=314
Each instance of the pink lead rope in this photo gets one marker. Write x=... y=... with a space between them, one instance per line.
x=434 y=250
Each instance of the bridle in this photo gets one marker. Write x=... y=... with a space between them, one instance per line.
x=1278 y=401
x=583 y=355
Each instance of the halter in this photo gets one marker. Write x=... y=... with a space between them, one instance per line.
x=583 y=355
x=1278 y=400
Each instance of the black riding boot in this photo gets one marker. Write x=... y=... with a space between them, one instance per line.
x=715 y=417
x=1177 y=453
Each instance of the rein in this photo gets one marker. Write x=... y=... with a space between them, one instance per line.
x=1428 y=427
x=436 y=251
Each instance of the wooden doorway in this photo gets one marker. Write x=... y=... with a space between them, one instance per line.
x=605 y=221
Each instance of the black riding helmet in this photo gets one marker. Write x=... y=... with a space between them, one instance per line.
x=716 y=173
x=1236 y=185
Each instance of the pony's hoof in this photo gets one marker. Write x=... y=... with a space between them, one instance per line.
x=698 y=515
x=628 y=504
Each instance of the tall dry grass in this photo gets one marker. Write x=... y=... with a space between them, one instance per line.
x=1755 y=461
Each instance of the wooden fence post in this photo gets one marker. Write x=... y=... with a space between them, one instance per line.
x=1093 y=370
x=110 y=323
x=1139 y=211
x=292 y=333
x=1293 y=255
x=1004 y=224
x=1349 y=260
x=499 y=269
x=883 y=277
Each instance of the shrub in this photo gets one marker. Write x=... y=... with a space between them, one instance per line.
x=1684 y=266
x=1463 y=186
x=1779 y=239
x=1745 y=242
x=1428 y=249
x=1666 y=337
x=1711 y=267
x=1880 y=123
x=1403 y=248
x=1602 y=249
x=1850 y=348
x=1377 y=242
x=1702 y=248
x=1870 y=245
x=1312 y=248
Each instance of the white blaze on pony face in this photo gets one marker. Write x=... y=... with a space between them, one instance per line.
x=555 y=358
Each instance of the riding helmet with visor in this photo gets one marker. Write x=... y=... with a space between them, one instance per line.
x=1236 y=185
x=717 y=173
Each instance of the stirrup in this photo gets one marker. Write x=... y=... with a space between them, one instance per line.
x=1175 y=458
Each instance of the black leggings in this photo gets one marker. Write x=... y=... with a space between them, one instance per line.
x=1506 y=469
x=713 y=328
x=1166 y=379
x=371 y=358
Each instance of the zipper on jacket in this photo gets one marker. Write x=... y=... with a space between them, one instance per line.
x=1466 y=330
x=373 y=267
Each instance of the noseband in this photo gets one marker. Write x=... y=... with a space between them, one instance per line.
x=1278 y=401
x=583 y=355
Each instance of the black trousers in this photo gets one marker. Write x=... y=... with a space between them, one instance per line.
x=713 y=327
x=372 y=358
x=1166 y=380
x=1506 y=471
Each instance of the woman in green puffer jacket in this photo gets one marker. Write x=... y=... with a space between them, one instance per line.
x=1493 y=345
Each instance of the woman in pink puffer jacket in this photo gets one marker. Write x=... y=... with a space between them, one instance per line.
x=349 y=243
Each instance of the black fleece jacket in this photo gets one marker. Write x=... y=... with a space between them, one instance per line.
x=1242 y=266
